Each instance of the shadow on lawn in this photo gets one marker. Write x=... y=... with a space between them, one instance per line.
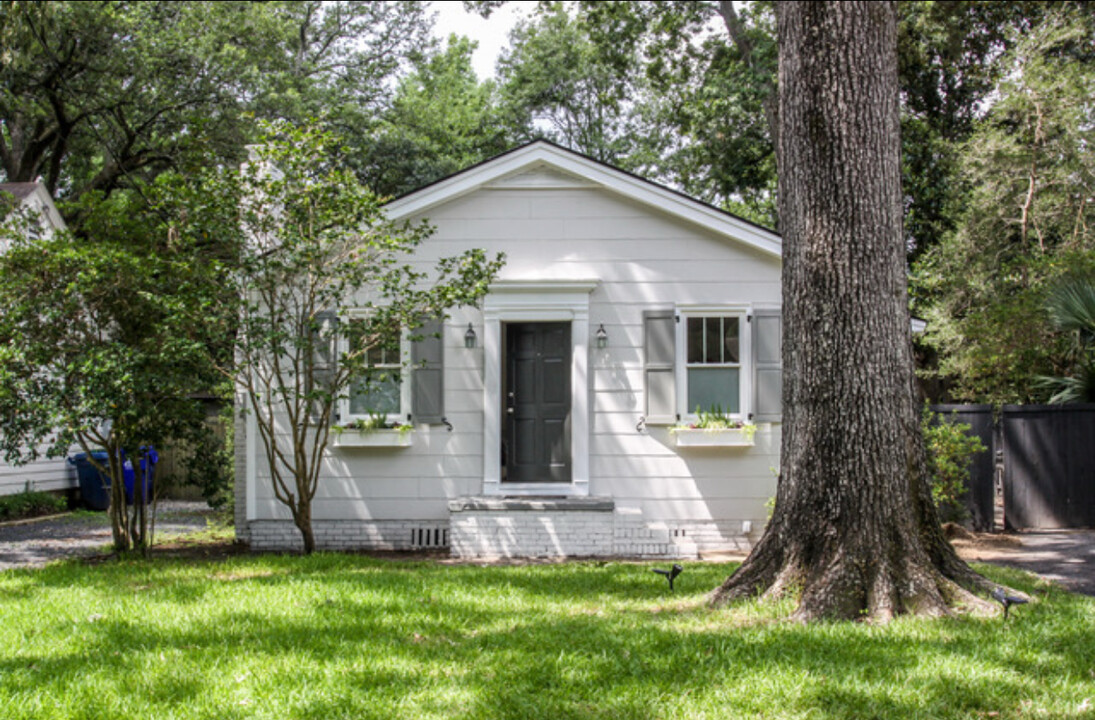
x=368 y=638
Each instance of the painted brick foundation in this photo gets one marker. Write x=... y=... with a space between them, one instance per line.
x=267 y=535
x=517 y=527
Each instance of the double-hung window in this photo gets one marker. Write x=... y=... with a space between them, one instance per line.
x=379 y=389
x=713 y=362
x=397 y=373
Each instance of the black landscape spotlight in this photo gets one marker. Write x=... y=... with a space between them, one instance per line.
x=669 y=574
x=1007 y=600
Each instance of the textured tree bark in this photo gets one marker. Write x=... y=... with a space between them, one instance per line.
x=302 y=516
x=854 y=529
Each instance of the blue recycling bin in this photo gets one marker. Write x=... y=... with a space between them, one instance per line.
x=149 y=458
x=94 y=485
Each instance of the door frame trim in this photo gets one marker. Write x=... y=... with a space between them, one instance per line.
x=537 y=301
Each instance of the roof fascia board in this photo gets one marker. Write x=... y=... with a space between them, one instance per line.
x=617 y=181
x=53 y=215
x=461 y=183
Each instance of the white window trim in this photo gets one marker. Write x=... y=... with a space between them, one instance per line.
x=744 y=312
x=344 y=414
x=537 y=301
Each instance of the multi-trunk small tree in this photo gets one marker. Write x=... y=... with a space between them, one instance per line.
x=315 y=247
x=97 y=349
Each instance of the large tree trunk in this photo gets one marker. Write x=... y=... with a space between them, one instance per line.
x=854 y=528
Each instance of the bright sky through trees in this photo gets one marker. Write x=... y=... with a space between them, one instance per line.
x=492 y=35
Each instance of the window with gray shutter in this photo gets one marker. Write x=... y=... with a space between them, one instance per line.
x=767 y=365
x=428 y=374
x=659 y=345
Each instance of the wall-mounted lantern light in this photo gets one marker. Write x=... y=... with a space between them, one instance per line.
x=469 y=338
x=602 y=337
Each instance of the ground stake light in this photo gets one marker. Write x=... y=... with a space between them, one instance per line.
x=670 y=575
x=1007 y=600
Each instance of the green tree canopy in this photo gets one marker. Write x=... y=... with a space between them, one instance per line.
x=1027 y=222
x=441 y=120
x=101 y=97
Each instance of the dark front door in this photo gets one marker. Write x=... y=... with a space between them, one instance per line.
x=536 y=431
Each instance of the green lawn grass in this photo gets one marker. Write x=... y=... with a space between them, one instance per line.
x=340 y=636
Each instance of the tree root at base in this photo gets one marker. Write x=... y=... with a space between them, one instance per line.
x=847 y=587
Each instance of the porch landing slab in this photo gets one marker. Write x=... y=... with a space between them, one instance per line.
x=531 y=503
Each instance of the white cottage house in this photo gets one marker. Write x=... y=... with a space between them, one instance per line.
x=551 y=421
x=45 y=474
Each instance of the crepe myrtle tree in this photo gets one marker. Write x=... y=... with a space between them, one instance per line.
x=96 y=349
x=316 y=245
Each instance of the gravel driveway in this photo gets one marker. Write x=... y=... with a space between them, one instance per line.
x=35 y=543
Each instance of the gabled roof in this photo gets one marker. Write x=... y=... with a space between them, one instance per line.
x=541 y=153
x=21 y=190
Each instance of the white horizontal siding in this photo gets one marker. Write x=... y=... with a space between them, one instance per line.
x=643 y=259
x=364 y=509
x=43 y=475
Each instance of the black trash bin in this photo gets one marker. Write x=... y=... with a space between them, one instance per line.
x=94 y=485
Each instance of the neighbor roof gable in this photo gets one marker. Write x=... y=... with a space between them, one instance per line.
x=551 y=160
x=36 y=198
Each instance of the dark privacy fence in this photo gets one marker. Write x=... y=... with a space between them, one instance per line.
x=1043 y=456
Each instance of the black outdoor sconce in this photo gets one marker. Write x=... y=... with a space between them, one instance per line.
x=602 y=337
x=469 y=338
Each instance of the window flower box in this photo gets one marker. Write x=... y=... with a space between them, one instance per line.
x=379 y=438
x=714 y=437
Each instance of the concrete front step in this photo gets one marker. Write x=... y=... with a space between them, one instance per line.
x=491 y=527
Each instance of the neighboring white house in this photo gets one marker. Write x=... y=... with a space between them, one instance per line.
x=45 y=474
x=545 y=421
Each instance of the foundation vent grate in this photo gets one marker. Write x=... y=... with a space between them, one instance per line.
x=430 y=537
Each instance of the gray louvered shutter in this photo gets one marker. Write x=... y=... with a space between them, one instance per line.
x=428 y=374
x=660 y=350
x=767 y=366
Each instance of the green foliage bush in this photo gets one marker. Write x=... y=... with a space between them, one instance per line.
x=30 y=504
x=950 y=451
x=211 y=467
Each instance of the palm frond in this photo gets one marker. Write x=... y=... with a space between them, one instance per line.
x=1069 y=389
x=1071 y=306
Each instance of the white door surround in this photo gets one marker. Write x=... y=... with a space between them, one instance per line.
x=537 y=301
